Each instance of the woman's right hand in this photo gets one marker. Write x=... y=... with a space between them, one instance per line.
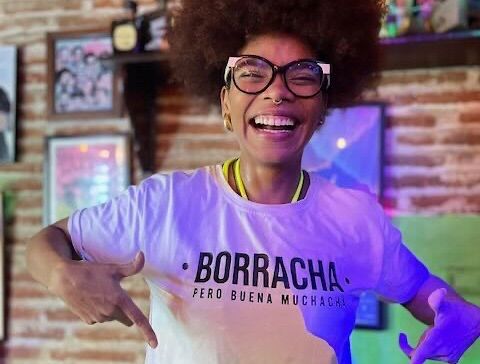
x=93 y=292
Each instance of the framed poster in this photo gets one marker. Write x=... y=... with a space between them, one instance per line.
x=348 y=148
x=8 y=93
x=84 y=171
x=80 y=85
x=348 y=151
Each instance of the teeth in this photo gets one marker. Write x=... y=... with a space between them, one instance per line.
x=274 y=120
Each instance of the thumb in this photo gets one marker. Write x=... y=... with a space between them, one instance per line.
x=133 y=267
x=404 y=345
x=435 y=299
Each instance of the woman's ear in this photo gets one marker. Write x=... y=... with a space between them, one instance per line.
x=225 y=101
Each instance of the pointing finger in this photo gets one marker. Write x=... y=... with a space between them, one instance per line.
x=404 y=345
x=138 y=318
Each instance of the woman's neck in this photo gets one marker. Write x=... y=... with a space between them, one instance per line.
x=268 y=183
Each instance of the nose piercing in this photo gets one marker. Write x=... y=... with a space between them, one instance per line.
x=277 y=102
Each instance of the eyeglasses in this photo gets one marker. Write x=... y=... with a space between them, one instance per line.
x=253 y=74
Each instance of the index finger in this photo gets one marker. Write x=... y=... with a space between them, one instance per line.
x=131 y=310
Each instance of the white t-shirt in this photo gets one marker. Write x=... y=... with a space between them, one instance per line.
x=234 y=281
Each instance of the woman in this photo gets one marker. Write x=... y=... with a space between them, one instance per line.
x=255 y=260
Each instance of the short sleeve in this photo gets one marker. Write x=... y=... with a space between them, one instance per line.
x=110 y=232
x=402 y=273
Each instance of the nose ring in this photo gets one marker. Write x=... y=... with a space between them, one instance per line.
x=277 y=102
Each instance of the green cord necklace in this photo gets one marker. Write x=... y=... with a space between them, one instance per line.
x=241 y=186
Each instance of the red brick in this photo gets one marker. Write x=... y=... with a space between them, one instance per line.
x=32 y=97
x=25 y=146
x=41 y=333
x=470 y=204
x=33 y=76
x=17 y=7
x=416 y=139
x=461 y=136
x=26 y=24
x=33 y=291
x=420 y=120
x=74 y=22
x=22 y=276
x=19 y=352
x=184 y=128
x=23 y=313
x=406 y=78
x=446 y=97
x=32 y=115
x=89 y=127
x=29 y=203
x=28 y=131
x=100 y=355
x=413 y=181
x=470 y=117
x=21 y=167
x=108 y=334
x=419 y=160
x=28 y=220
x=430 y=201
x=26 y=184
x=61 y=315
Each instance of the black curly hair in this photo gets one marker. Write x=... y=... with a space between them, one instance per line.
x=343 y=33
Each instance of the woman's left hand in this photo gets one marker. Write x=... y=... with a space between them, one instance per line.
x=456 y=327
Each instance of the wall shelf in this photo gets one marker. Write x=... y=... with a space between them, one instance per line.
x=432 y=50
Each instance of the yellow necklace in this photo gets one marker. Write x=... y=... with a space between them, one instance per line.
x=241 y=186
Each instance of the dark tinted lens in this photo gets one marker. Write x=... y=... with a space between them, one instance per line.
x=252 y=74
x=304 y=78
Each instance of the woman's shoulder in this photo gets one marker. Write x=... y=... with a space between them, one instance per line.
x=175 y=179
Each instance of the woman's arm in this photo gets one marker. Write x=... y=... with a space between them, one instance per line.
x=418 y=305
x=91 y=290
x=48 y=250
x=454 y=323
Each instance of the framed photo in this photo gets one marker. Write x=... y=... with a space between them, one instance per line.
x=80 y=85
x=84 y=171
x=8 y=93
x=157 y=29
x=348 y=151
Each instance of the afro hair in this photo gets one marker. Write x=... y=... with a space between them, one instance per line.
x=343 y=33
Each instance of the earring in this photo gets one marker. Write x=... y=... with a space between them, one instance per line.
x=227 y=122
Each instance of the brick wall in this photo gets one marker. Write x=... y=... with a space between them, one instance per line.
x=432 y=165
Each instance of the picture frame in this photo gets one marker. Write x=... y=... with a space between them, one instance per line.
x=83 y=171
x=8 y=103
x=80 y=85
x=158 y=22
x=348 y=150
x=371 y=312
